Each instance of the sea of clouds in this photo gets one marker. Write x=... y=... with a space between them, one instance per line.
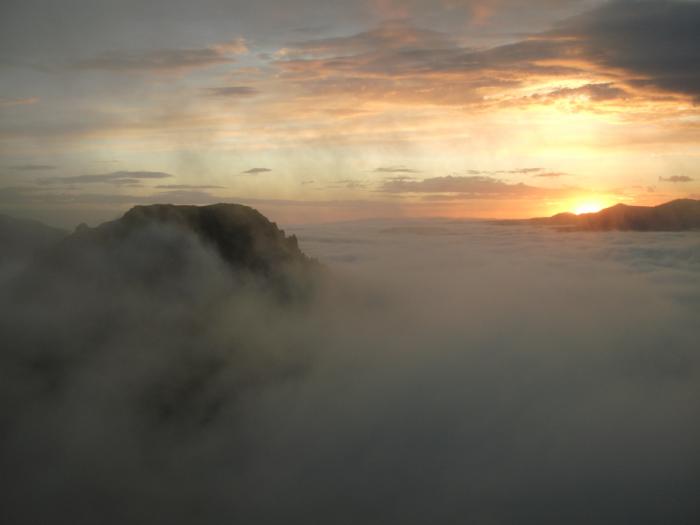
x=445 y=372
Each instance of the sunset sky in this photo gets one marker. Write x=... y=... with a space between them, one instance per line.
x=322 y=110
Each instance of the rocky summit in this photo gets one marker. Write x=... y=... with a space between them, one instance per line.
x=241 y=235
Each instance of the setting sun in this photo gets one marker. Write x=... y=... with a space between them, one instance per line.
x=588 y=207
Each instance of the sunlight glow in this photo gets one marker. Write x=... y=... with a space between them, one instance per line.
x=588 y=207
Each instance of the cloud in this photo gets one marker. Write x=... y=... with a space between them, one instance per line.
x=117 y=178
x=676 y=178
x=187 y=187
x=390 y=35
x=461 y=371
x=656 y=42
x=67 y=206
x=521 y=171
x=164 y=60
x=10 y=102
x=232 y=91
x=237 y=46
x=350 y=184
x=514 y=171
x=595 y=92
x=395 y=169
x=408 y=62
x=256 y=171
x=550 y=174
x=474 y=186
x=650 y=45
x=33 y=167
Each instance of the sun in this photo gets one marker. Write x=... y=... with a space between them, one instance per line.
x=588 y=207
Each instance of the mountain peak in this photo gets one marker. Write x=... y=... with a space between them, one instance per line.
x=241 y=235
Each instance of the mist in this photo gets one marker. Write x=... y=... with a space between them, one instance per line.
x=446 y=372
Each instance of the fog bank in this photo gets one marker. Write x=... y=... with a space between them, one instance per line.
x=444 y=372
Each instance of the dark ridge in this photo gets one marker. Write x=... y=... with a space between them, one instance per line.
x=677 y=215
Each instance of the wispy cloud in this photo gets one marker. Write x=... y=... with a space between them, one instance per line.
x=116 y=178
x=550 y=174
x=596 y=92
x=676 y=178
x=232 y=91
x=349 y=184
x=474 y=186
x=33 y=167
x=188 y=187
x=256 y=171
x=395 y=169
x=9 y=102
x=164 y=60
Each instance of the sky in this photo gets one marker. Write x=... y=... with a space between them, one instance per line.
x=323 y=110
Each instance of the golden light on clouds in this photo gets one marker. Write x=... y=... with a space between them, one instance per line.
x=597 y=107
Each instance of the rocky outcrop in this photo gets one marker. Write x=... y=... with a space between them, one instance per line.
x=241 y=235
x=161 y=246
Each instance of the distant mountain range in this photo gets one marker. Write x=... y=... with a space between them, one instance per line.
x=677 y=215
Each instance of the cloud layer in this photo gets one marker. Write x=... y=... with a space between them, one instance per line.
x=447 y=370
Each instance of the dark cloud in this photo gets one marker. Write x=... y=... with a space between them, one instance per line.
x=399 y=178
x=116 y=177
x=656 y=42
x=33 y=167
x=676 y=178
x=406 y=52
x=390 y=35
x=163 y=60
x=649 y=44
x=523 y=171
x=187 y=187
x=395 y=169
x=257 y=171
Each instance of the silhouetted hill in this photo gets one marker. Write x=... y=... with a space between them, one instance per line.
x=187 y=307
x=677 y=215
x=21 y=237
x=241 y=235
x=162 y=245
